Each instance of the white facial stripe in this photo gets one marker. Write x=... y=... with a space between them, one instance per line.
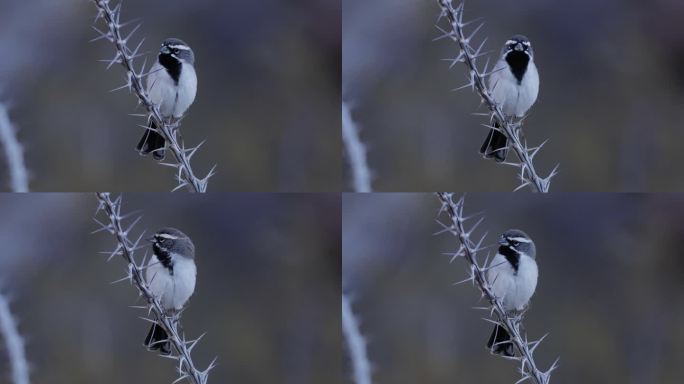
x=520 y=239
x=515 y=42
x=167 y=236
x=180 y=46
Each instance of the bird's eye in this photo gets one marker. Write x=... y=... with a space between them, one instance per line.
x=515 y=243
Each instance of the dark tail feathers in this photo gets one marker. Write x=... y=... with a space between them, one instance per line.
x=152 y=142
x=495 y=145
x=499 y=342
x=157 y=339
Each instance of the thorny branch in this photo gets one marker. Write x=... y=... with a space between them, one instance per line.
x=126 y=248
x=468 y=249
x=469 y=55
x=169 y=130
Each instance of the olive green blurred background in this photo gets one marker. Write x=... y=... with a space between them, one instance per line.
x=610 y=100
x=268 y=101
x=610 y=291
x=267 y=292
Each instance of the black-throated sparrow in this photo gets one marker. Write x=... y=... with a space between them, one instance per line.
x=512 y=275
x=514 y=84
x=171 y=275
x=172 y=86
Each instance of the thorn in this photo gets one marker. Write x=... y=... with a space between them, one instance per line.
x=521 y=186
x=533 y=151
x=179 y=186
x=117 y=251
x=492 y=321
x=478 y=52
x=115 y=60
x=477 y=223
x=467 y=23
x=459 y=253
x=445 y=34
x=470 y=84
x=101 y=35
x=128 y=230
x=134 y=53
x=130 y=34
x=194 y=342
x=469 y=278
x=121 y=279
x=472 y=34
x=535 y=344
x=191 y=152
x=127 y=85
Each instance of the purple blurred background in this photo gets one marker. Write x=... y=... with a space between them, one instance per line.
x=267 y=292
x=610 y=291
x=268 y=94
x=610 y=99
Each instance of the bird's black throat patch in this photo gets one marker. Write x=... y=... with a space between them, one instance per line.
x=512 y=256
x=172 y=65
x=518 y=61
x=164 y=257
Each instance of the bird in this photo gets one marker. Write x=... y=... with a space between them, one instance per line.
x=512 y=275
x=514 y=85
x=172 y=87
x=171 y=275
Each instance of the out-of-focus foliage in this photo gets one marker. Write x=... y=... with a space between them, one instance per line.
x=610 y=99
x=267 y=104
x=268 y=288
x=610 y=291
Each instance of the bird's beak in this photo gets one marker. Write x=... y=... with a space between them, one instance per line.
x=151 y=239
x=503 y=241
x=519 y=47
x=165 y=50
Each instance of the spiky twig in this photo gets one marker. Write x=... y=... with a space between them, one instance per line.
x=14 y=344
x=14 y=153
x=468 y=249
x=356 y=344
x=468 y=55
x=169 y=130
x=356 y=152
x=126 y=248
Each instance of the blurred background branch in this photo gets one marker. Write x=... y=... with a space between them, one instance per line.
x=468 y=55
x=171 y=323
x=14 y=153
x=356 y=152
x=468 y=249
x=125 y=56
x=356 y=344
x=14 y=344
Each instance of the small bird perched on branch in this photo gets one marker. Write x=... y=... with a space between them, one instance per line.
x=171 y=275
x=512 y=274
x=172 y=86
x=514 y=84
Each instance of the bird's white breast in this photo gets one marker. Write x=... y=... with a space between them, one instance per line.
x=515 y=99
x=187 y=86
x=513 y=289
x=172 y=100
x=174 y=290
